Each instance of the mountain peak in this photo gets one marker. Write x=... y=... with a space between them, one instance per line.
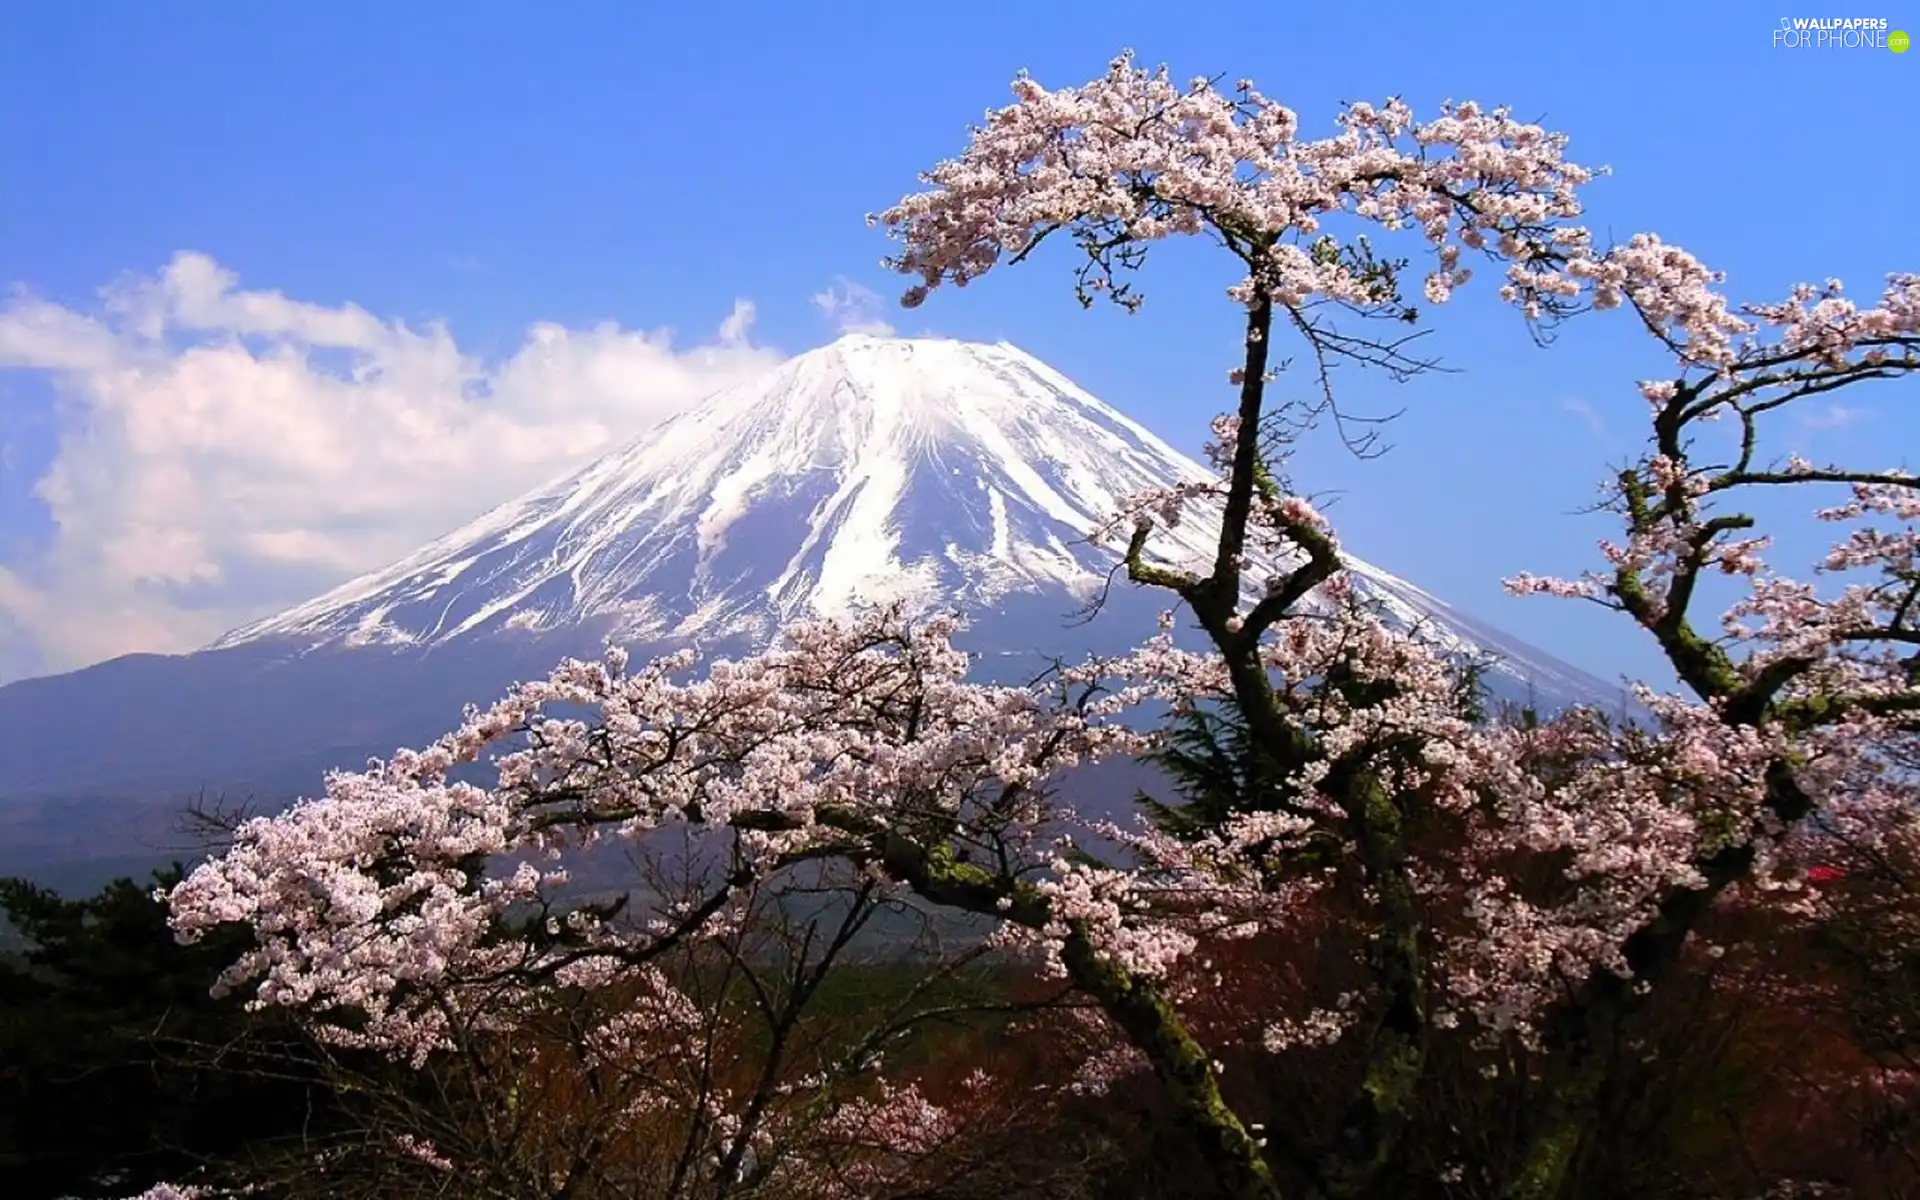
x=907 y=343
x=925 y=471
x=929 y=375
x=869 y=470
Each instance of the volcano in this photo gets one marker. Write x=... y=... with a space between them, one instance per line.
x=926 y=472
x=921 y=471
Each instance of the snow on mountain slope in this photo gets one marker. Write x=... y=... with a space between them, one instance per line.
x=930 y=471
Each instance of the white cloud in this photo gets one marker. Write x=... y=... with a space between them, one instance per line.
x=224 y=453
x=852 y=308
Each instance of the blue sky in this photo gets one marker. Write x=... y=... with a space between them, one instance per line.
x=512 y=196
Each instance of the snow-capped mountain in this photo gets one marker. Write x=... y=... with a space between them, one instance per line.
x=933 y=472
x=929 y=471
x=874 y=469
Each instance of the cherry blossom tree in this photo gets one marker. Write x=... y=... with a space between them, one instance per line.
x=689 y=1006
x=1794 y=710
x=1534 y=879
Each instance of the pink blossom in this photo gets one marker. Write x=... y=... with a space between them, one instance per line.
x=1137 y=156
